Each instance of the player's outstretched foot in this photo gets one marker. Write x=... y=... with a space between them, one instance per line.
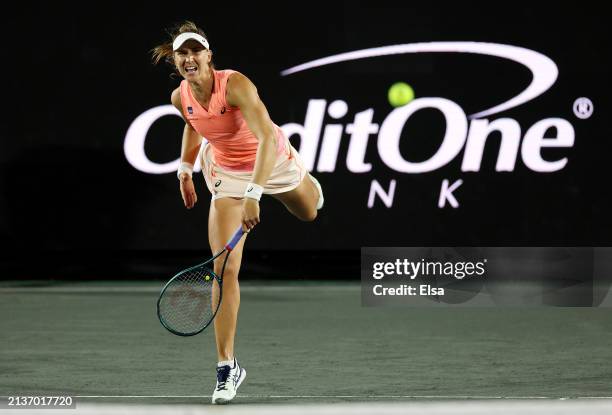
x=318 y=185
x=228 y=380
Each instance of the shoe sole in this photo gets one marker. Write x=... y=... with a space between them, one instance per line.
x=222 y=401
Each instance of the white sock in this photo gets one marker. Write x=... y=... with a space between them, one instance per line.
x=229 y=363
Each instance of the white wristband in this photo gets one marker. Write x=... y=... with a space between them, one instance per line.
x=253 y=191
x=184 y=168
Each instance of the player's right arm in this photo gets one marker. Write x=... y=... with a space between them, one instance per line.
x=190 y=148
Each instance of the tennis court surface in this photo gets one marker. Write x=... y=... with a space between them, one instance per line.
x=308 y=347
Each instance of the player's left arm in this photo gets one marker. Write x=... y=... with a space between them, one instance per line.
x=242 y=93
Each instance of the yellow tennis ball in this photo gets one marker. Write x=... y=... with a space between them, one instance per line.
x=400 y=94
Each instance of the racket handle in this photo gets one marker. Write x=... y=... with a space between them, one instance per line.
x=232 y=242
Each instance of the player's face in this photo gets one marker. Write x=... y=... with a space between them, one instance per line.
x=192 y=59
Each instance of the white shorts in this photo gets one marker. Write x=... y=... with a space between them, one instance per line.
x=288 y=173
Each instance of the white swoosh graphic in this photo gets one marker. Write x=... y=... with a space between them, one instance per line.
x=543 y=69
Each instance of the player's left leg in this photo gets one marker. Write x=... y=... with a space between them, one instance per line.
x=224 y=219
x=303 y=201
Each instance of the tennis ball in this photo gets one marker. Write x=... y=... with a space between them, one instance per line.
x=400 y=94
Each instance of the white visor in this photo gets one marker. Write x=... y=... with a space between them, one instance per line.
x=184 y=37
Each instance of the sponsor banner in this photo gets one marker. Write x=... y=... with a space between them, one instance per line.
x=486 y=276
x=463 y=132
x=430 y=127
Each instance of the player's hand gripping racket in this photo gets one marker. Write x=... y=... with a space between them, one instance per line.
x=189 y=302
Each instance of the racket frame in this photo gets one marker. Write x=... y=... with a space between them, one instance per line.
x=229 y=246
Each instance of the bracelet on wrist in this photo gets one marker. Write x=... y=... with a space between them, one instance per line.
x=253 y=191
x=186 y=168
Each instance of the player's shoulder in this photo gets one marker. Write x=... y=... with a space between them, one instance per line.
x=237 y=81
x=233 y=74
x=175 y=98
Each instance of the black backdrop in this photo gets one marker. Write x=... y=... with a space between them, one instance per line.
x=79 y=77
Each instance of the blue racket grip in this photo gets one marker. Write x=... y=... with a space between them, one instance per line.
x=232 y=242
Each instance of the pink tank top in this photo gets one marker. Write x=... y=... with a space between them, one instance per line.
x=234 y=145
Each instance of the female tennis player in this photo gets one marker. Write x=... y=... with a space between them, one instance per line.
x=247 y=155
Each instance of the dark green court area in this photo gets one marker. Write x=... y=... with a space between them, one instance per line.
x=299 y=341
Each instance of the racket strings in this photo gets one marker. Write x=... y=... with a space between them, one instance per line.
x=189 y=302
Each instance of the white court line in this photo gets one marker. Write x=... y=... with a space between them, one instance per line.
x=467 y=397
x=356 y=408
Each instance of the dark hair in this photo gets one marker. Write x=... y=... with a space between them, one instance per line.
x=164 y=51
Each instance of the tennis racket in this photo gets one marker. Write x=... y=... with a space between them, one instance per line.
x=189 y=302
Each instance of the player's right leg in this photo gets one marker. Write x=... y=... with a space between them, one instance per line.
x=305 y=200
x=223 y=220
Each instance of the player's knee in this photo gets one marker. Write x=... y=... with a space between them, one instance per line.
x=231 y=270
x=309 y=216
